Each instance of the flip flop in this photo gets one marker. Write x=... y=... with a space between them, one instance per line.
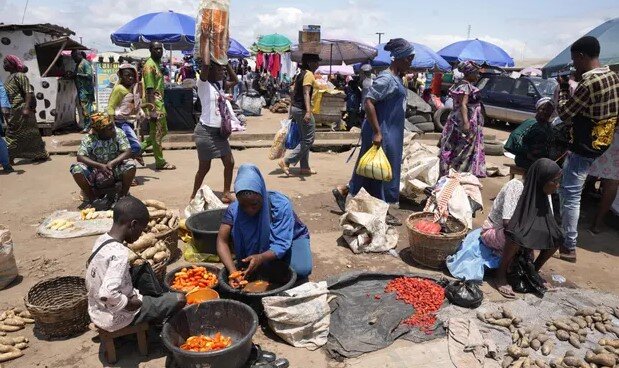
x=307 y=172
x=391 y=220
x=167 y=166
x=339 y=199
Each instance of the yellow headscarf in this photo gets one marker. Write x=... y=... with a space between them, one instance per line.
x=100 y=121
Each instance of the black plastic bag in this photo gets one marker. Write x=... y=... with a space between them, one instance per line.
x=523 y=278
x=465 y=294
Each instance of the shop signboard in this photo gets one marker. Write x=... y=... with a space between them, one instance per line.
x=106 y=78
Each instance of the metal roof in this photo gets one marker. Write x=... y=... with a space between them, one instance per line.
x=46 y=28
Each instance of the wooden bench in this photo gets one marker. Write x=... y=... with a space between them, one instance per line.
x=107 y=340
x=515 y=170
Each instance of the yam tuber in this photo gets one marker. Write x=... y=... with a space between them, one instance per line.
x=149 y=253
x=543 y=338
x=600 y=327
x=604 y=359
x=145 y=241
x=173 y=222
x=21 y=345
x=13 y=353
x=516 y=352
x=162 y=228
x=155 y=204
x=25 y=314
x=535 y=344
x=572 y=361
x=574 y=340
x=563 y=335
x=547 y=347
x=608 y=342
x=160 y=256
x=156 y=214
x=7 y=328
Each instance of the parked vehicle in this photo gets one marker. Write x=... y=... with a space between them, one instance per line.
x=513 y=99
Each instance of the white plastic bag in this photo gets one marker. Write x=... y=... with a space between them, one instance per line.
x=300 y=316
x=204 y=200
x=278 y=148
x=8 y=266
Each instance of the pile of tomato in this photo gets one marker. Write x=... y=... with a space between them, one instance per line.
x=203 y=344
x=424 y=295
x=189 y=279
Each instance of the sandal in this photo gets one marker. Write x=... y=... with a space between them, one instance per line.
x=391 y=220
x=167 y=166
x=339 y=199
x=140 y=160
x=284 y=167
x=568 y=255
x=135 y=183
x=506 y=291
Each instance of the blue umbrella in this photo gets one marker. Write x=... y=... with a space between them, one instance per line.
x=237 y=51
x=425 y=58
x=174 y=30
x=607 y=34
x=478 y=51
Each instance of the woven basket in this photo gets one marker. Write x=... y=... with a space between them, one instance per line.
x=160 y=269
x=432 y=250
x=170 y=238
x=59 y=306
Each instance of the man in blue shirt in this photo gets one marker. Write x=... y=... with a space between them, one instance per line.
x=6 y=110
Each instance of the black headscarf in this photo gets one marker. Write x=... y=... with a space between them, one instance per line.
x=533 y=224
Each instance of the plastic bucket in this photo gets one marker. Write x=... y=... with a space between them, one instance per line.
x=201 y=296
x=204 y=227
x=229 y=317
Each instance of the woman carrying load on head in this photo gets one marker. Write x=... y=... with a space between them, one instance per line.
x=263 y=227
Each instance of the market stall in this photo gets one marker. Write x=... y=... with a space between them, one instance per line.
x=41 y=48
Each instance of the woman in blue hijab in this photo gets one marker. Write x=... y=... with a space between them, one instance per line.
x=263 y=227
x=385 y=107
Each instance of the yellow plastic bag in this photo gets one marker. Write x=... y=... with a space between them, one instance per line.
x=375 y=165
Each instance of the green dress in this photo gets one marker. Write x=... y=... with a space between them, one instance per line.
x=22 y=136
x=85 y=90
x=153 y=79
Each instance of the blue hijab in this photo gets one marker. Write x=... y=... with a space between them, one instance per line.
x=251 y=234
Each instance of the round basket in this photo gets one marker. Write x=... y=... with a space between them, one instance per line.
x=170 y=238
x=59 y=306
x=432 y=250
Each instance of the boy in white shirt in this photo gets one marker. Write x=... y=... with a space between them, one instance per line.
x=113 y=302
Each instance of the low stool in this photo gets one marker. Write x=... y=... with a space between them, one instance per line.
x=107 y=340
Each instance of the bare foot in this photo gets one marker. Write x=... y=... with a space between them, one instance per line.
x=284 y=167
x=228 y=198
x=307 y=172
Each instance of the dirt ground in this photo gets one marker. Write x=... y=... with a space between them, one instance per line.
x=38 y=190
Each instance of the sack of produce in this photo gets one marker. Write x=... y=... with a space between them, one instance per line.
x=300 y=316
x=375 y=165
x=213 y=31
x=466 y=294
x=278 y=148
x=8 y=266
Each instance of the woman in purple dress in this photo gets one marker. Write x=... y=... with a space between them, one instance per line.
x=462 y=143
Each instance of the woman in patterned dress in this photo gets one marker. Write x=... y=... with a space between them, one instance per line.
x=462 y=143
x=606 y=167
x=22 y=135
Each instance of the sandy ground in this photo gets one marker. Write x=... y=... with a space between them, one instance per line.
x=37 y=190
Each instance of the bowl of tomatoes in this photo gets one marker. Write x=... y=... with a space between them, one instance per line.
x=188 y=278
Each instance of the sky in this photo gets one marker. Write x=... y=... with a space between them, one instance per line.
x=526 y=29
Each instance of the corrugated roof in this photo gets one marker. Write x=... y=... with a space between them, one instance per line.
x=46 y=28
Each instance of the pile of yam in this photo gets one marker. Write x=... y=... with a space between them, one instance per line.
x=10 y=321
x=148 y=247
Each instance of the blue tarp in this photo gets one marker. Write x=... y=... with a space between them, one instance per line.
x=478 y=51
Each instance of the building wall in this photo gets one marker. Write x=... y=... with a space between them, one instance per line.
x=55 y=97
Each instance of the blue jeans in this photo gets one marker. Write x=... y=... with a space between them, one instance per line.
x=4 y=150
x=308 y=131
x=127 y=128
x=575 y=170
x=299 y=257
